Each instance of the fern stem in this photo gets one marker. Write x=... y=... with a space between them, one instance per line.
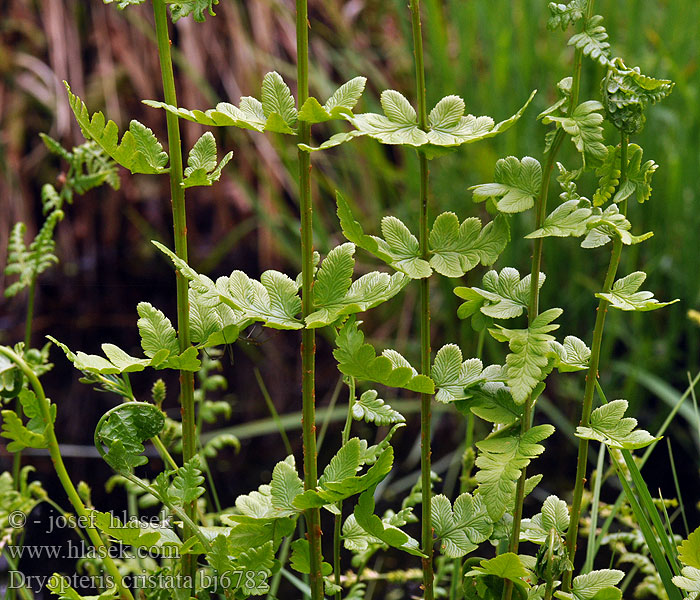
x=578 y=61
x=533 y=308
x=339 y=517
x=549 y=573
x=465 y=474
x=624 y=142
x=591 y=378
x=63 y=477
x=177 y=194
x=29 y=317
x=308 y=340
x=533 y=311
x=426 y=399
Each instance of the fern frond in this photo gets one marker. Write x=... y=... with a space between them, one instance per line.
x=626 y=93
x=139 y=150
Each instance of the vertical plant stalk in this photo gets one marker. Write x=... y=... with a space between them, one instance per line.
x=425 y=399
x=549 y=573
x=591 y=378
x=64 y=478
x=30 y=315
x=466 y=471
x=624 y=142
x=532 y=312
x=308 y=339
x=533 y=308
x=339 y=517
x=28 y=319
x=177 y=193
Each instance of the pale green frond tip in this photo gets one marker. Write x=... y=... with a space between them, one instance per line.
x=275 y=111
x=448 y=126
x=609 y=426
x=584 y=126
x=517 y=184
x=554 y=515
x=29 y=262
x=504 y=295
x=385 y=532
x=178 y=8
x=593 y=41
x=460 y=529
x=139 y=150
x=202 y=168
x=358 y=359
x=457 y=248
x=335 y=294
x=452 y=376
x=338 y=106
x=564 y=15
x=530 y=359
x=624 y=295
x=274 y=300
x=196 y=8
x=372 y=409
x=500 y=461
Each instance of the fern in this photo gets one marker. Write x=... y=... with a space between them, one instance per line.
x=139 y=150
x=501 y=459
x=202 y=168
x=372 y=409
x=604 y=225
x=178 y=8
x=187 y=482
x=637 y=185
x=454 y=248
x=338 y=106
x=33 y=434
x=357 y=359
x=596 y=584
x=564 y=15
x=453 y=377
x=593 y=40
x=530 y=359
x=29 y=263
x=462 y=528
x=335 y=294
x=626 y=93
x=276 y=111
x=448 y=127
x=609 y=426
x=274 y=299
x=517 y=184
x=625 y=294
x=196 y=8
x=554 y=515
x=88 y=167
x=586 y=131
x=457 y=248
x=504 y=295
